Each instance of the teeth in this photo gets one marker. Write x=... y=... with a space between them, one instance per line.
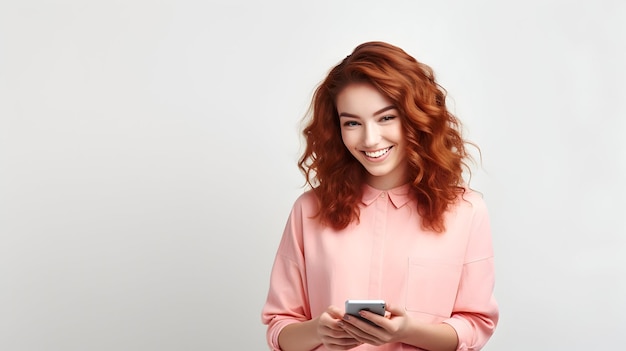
x=377 y=154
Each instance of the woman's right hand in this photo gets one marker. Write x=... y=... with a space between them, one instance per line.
x=332 y=335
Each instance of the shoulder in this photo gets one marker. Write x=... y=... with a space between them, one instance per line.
x=473 y=197
x=302 y=219
x=470 y=202
x=307 y=197
x=306 y=203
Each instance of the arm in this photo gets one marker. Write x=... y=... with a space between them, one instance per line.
x=324 y=329
x=287 y=313
x=433 y=337
x=309 y=334
x=287 y=298
x=475 y=312
x=299 y=336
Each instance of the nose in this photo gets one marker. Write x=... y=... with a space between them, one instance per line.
x=372 y=135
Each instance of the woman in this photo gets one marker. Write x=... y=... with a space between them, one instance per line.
x=388 y=217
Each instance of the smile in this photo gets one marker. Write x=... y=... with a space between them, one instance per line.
x=377 y=154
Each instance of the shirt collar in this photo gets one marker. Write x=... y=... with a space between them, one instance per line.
x=399 y=196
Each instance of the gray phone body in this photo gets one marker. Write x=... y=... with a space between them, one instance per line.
x=375 y=306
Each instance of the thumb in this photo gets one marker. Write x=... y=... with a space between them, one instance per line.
x=395 y=310
x=335 y=312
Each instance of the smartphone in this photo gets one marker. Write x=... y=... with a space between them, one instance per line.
x=375 y=306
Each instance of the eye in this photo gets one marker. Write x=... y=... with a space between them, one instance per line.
x=387 y=118
x=350 y=123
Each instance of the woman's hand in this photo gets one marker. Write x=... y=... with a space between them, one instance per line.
x=390 y=328
x=331 y=334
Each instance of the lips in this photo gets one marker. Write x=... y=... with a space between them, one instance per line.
x=378 y=153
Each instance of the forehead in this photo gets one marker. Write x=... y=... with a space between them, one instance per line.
x=361 y=98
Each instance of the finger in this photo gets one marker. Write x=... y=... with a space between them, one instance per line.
x=337 y=333
x=363 y=323
x=347 y=341
x=329 y=318
x=340 y=342
x=377 y=319
x=334 y=312
x=363 y=337
x=395 y=311
x=355 y=326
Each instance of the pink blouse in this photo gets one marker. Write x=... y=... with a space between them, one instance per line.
x=438 y=277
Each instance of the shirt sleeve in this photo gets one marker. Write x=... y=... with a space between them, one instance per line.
x=475 y=312
x=287 y=298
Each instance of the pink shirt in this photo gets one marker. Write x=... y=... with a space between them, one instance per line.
x=446 y=277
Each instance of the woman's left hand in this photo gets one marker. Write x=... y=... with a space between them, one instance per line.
x=390 y=328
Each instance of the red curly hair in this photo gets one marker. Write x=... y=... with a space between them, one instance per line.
x=436 y=151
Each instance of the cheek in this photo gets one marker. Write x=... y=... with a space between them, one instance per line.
x=399 y=133
x=401 y=139
x=348 y=139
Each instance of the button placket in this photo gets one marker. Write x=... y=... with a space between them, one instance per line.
x=378 y=245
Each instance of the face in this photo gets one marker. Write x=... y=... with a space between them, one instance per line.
x=372 y=131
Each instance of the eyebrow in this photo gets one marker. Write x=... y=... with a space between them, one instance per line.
x=346 y=114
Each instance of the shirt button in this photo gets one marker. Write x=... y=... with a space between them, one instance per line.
x=382 y=195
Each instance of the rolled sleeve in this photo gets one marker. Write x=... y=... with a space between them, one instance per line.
x=287 y=300
x=476 y=311
x=284 y=304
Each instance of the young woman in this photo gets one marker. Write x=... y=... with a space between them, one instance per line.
x=388 y=217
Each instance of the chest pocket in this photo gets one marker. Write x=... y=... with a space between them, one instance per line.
x=432 y=286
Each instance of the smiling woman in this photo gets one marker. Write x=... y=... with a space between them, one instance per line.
x=373 y=134
x=388 y=217
x=435 y=150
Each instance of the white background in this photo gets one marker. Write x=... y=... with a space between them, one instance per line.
x=148 y=160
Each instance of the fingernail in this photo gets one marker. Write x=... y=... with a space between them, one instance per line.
x=346 y=317
x=340 y=324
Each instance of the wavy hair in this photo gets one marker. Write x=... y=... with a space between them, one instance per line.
x=436 y=151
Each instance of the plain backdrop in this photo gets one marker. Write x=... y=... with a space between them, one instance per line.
x=148 y=157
